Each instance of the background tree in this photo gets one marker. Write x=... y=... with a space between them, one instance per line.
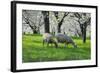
x=46 y=21
x=34 y=21
x=60 y=22
x=84 y=20
x=72 y=23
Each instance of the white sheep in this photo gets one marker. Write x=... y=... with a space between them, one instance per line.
x=63 y=38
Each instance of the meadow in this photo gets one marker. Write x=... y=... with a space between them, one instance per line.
x=34 y=51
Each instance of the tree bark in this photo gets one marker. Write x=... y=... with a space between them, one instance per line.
x=84 y=33
x=84 y=36
x=59 y=26
x=46 y=21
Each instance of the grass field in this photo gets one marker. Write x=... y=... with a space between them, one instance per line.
x=33 y=50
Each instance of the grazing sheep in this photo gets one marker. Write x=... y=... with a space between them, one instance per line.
x=63 y=38
x=49 y=39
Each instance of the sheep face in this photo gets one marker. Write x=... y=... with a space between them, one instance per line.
x=49 y=39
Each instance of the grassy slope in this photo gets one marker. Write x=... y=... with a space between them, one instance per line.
x=33 y=50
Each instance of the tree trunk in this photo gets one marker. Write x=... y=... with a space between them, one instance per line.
x=59 y=30
x=35 y=32
x=81 y=26
x=84 y=34
x=84 y=37
x=59 y=25
x=46 y=21
x=83 y=31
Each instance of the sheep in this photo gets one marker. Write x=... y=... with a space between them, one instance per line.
x=49 y=39
x=63 y=38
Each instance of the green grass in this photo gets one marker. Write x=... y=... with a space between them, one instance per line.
x=33 y=50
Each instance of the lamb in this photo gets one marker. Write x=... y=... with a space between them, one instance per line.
x=63 y=38
x=49 y=39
